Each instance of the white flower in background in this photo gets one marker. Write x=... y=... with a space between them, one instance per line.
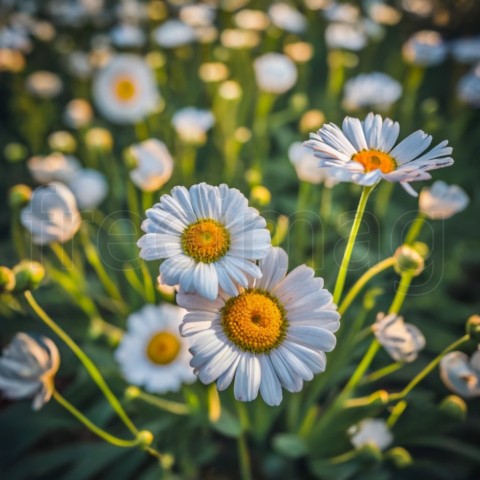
x=126 y=35
x=173 y=34
x=272 y=334
x=466 y=50
x=124 y=90
x=251 y=20
x=154 y=165
x=152 y=353
x=401 y=340
x=346 y=36
x=27 y=369
x=51 y=215
x=275 y=73
x=461 y=374
x=366 y=152
x=55 y=167
x=44 y=84
x=197 y=15
x=306 y=166
x=468 y=88
x=371 y=431
x=208 y=236
x=425 y=48
x=192 y=124
x=442 y=201
x=374 y=90
x=287 y=18
x=78 y=113
x=90 y=188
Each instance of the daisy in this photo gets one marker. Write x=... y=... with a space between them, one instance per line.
x=124 y=90
x=208 y=236
x=152 y=353
x=270 y=335
x=461 y=374
x=366 y=152
x=442 y=201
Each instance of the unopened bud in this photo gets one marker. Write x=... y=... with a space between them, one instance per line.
x=454 y=406
x=19 y=196
x=28 y=275
x=408 y=260
x=7 y=280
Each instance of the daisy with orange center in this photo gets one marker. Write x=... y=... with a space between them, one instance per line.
x=364 y=152
x=271 y=335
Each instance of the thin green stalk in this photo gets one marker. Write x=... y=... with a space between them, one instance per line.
x=415 y=229
x=342 y=274
x=118 y=442
x=82 y=356
x=362 y=281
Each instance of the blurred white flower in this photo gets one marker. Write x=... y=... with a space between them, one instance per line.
x=44 y=84
x=466 y=50
x=51 y=215
x=372 y=90
x=78 y=113
x=441 y=201
x=55 y=167
x=154 y=165
x=173 y=34
x=371 y=431
x=275 y=73
x=345 y=35
x=125 y=90
x=425 y=48
x=197 y=15
x=401 y=340
x=27 y=369
x=287 y=18
x=468 y=88
x=152 y=353
x=126 y=35
x=192 y=124
x=90 y=188
x=251 y=20
x=306 y=166
x=461 y=374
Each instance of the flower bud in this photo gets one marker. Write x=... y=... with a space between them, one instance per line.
x=408 y=260
x=399 y=456
x=7 y=280
x=19 y=196
x=28 y=275
x=473 y=327
x=454 y=406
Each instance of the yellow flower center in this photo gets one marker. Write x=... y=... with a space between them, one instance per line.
x=206 y=240
x=125 y=89
x=163 y=348
x=374 y=159
x=254 y=321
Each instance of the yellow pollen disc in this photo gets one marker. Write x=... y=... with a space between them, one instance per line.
x=163 y=348
x=125 y=89
x=206 y=240
x=254 y=321
x=374 y=159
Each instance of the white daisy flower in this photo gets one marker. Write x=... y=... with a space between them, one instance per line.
x=152 y=353
x=401 y=340
x=154 y=165
x=90 y=188
x=442 y=201
x=55 y=167
x=124 y=90
x=208 y=236
x=373 y=90
x=468 y=88
x=173 y=34
x=425 y=48
x=270 y=335
x=27 y=369
x=461 y=374
x=366 y=152
x=466 y=50
x=275 y=73
x=192 y=124
x=287 y=18
x=371 y=431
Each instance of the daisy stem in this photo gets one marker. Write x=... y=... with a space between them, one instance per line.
x=118 y=442
x=84 y=359
x=415 y=229
x=362 y=281
x=342 y=274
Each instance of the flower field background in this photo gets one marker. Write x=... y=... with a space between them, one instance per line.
x=106 y=107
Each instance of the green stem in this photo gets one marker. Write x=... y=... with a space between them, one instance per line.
x=82 y=356
x=362 y=281
x=118 y=442
x=415 y=229
x=342 y=274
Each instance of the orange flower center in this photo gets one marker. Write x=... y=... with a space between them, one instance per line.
x=125 y=89
x=374 y=159
x=206 y=240
x=163 y=348
x=254 y=321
